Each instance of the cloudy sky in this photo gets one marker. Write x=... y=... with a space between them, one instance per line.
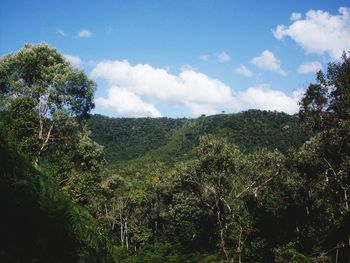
x=185 y=58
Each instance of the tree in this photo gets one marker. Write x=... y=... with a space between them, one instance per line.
x=56 y=90
x=226 y=179
x=325 y=108
x=43 y=101
x=82 y=181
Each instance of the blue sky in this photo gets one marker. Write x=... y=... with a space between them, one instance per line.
x=186 y=58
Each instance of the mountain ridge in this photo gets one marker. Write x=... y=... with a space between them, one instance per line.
x=169 y=140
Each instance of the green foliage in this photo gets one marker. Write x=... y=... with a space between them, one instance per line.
x=245 y=187
x=324 y=161
x=42 y=73
x=82 y=182
x=289 y=254
x=24 y=120
x=47 y=152
x=125 y=139
x=145 y=140
x=38 y=222
x=40 y=90
x=158 y=253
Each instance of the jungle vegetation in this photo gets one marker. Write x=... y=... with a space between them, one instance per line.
x=254 y=186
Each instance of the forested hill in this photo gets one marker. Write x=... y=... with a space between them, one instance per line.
x=169 y=139
x=175 y=190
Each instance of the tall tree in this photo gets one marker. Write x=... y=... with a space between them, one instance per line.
x=325 y=109
x=54 y=90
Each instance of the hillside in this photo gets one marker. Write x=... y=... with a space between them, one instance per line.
x=248 y=187
x=169 y=139
x=39 y=223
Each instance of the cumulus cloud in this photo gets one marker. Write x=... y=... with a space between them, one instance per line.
x=295 y=16
x=193 y=90
x=320 y=32
x=310 y=67
x=268 y=61
x=204 y=57
x=223 y=57
x=74 y=60
x=127 y=103
x=265 y=98
x=244 y=71
x=84 y=33
x=135 y=90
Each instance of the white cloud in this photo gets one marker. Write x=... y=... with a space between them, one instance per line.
x=74 y=60
x=84 y=33
x=135 y=90
x=268 y=61
x=264 y=98
x=320 y=32
x=295 y=16
x=128 y=104
x=244 y=71
x=61 y=32
x=189 y=89
x=204 y=57
x=310 y=67
x=223 y=57
x=78 y=62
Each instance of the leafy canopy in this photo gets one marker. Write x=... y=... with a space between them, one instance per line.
x=40 y=93
x=42 y=73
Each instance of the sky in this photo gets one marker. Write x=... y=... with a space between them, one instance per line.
x=186 y=58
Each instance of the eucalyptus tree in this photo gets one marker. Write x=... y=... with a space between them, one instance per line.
x=52 y=89
x=325 y=108
x=44 y=101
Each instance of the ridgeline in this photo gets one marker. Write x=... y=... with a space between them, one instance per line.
x=170 y=140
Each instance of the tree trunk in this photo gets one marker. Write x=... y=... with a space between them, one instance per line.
x=346 y=199
x=121 y=229
x=126 y=233
x=222 y=239
x=44 y=143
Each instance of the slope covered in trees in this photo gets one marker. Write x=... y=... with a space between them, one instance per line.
x=39 y=223
x=249 y=187
x=169 y=140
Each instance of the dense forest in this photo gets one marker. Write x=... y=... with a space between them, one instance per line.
x=170 y=140
x=254 y=186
